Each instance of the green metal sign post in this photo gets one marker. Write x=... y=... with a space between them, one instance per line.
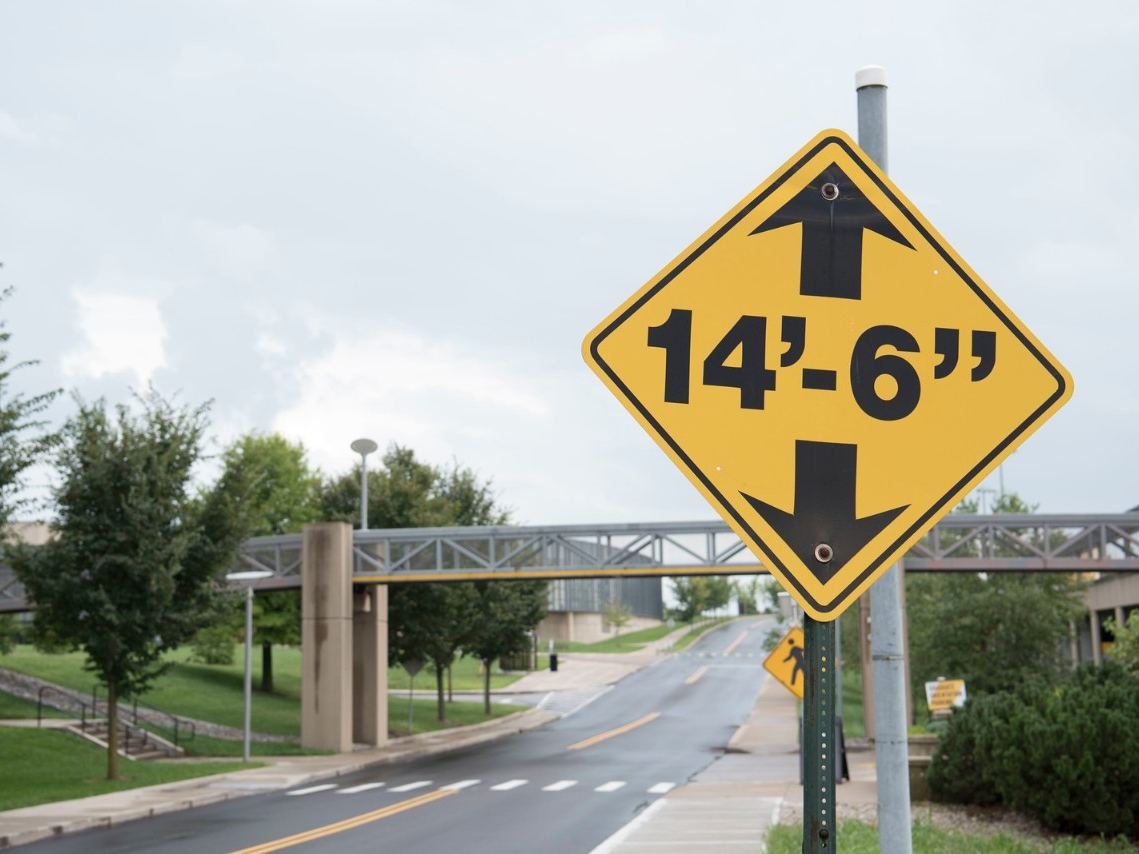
x=820 y=754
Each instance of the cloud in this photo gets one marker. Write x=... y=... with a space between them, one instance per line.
x=120 y=334
x=238 y=252
x=399 y=387
x=43 y=130
x=14 y=130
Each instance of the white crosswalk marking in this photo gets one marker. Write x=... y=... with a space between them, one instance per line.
x=321 y=788
x=559 y=786
x=611 y=786
x=363 y=787
x=508 y=785
x=408 y=787
x=662 y=788
x=462 y=784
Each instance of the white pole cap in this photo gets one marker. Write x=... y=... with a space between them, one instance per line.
x=871 y=75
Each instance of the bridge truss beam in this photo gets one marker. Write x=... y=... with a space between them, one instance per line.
x=959 y=543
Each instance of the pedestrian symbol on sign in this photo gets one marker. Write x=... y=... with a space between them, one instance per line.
x=786 y=662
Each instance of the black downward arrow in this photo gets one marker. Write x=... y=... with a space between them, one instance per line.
x=825 y=474
x=834 y=214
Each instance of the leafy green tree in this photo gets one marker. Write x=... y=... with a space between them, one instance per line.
x=747 y=593
x=993 y=630
x=9 y=633
x=616 y=613
x=428 y=622
x=282 y=494
x=505 y=614
x=24 y=439
x=132 y=566
x=696 y=594
x=691 y=597
x=1125 y=647
x=431 y=622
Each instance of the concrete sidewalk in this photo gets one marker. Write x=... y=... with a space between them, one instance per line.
x=729 y=805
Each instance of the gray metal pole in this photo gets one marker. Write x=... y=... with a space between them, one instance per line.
x=363 y=492
x=886 y=637
x=248 y=670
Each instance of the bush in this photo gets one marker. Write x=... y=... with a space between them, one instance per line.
x=956 y=773
x=213 y=645
x=1068 y=755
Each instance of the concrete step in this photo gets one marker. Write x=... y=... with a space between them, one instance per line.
x=134 y=742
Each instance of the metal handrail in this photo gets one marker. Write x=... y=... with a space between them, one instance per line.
x=180 y=724
x=83 y=707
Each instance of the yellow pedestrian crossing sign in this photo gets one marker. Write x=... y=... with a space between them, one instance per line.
x=786 y=662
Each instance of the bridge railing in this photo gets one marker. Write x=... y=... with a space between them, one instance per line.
x=963 y=543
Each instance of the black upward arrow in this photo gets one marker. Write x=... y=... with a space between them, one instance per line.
x=825 y=474
x=832 y=233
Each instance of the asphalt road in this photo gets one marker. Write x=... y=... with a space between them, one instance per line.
x=565 y=787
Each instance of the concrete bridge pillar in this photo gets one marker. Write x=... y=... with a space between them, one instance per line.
x=370 y=665
x=343 y=646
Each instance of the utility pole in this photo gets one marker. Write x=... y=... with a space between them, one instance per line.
x=886 y=634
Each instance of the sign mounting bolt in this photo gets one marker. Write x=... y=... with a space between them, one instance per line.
x=830 y=191
x=823 y=553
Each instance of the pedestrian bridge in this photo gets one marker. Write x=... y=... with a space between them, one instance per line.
x=958 y=543
x=961 y=543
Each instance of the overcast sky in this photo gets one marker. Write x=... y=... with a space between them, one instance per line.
x=399 y=220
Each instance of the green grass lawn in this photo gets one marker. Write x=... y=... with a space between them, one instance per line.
x=632 y=641
x=216 y=693
x=42 y=766
x=856 y=837
x=17 y=708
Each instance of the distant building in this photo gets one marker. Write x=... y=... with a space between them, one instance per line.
x=577 y=606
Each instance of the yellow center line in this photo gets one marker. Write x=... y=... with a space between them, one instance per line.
x=700 y=671
x=347 y=824
x=732 y=646
x=589 y=742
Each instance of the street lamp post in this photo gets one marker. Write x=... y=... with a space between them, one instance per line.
x=363 y=447
x=247 y=580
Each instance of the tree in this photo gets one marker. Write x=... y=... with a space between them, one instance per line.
x=748 y=594
x=696 y=594
x=282 y=494
x=993 y=630
x=506 y=613
x=1125 y=647
x=24 y=439
x=616 y=613
x=429 y=622
x=131 y=569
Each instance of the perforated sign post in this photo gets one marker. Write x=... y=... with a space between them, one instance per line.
x=829 y=374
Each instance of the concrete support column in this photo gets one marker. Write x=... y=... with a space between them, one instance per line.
x=1097 y=638
x=326 y=636
x=370 y=665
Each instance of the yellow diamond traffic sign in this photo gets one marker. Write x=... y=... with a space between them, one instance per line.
x=827 y=371
x=786 y=662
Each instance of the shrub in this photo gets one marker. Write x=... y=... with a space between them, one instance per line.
x=1068 y=755
x=213 y=645
x=956 y=773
